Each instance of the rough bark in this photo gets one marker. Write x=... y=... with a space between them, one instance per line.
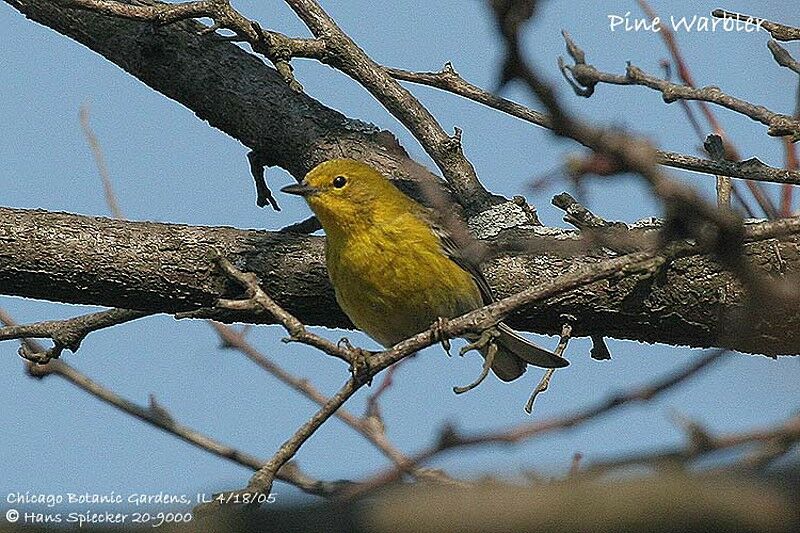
x=166 y=268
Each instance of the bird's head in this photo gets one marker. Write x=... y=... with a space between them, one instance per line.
x=345 y=194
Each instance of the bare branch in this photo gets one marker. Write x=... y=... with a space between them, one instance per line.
x=792 y=163
x=781 y=438
x=100 y=161
x=364 y=426
x=587 y=77
x=783 y=57
x=166 y=268
x=450 y=439
x=345 y=55
x=685 y=74
x=66 y=333
x=259 y=300
x=544 y=384
x=449 y=80
x=475 y=321
x=285 y=127
x=716 y=149
x=276 y=47
x=156 y=416
x=159 y=13
x=781 y=32
x=262 y=480
x=333 y=47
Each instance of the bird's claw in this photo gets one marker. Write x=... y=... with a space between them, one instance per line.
x=487 y=364
x=360 y=367
x=344 y=343
x=438 y=333
x=486 y=339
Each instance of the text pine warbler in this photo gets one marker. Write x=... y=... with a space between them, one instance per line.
x=394 y=271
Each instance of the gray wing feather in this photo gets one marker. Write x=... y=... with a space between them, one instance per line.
x=512 y=345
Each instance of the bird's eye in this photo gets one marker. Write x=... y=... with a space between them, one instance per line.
x=339 y=182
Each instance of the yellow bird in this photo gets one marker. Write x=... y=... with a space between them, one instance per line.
x=395 y=273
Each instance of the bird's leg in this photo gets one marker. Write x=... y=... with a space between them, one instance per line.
x=438 y=333
x=487 y=364
x=359 y=365
x=487 y=338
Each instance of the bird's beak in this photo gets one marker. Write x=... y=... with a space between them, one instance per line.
x=300 y=189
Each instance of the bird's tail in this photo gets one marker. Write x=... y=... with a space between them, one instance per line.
x=515 y=353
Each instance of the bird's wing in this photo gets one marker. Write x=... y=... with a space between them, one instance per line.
x=451 y=249
x=515 y=350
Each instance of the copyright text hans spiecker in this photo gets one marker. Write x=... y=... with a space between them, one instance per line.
x=697 y=23
x=85 y=509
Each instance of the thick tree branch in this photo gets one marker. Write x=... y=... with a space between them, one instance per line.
x=333 y=47
x=283 y=127
x=166 y=268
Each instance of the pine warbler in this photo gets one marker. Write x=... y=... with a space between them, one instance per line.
x=394 y=271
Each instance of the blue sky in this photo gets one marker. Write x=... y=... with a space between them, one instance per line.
x=167 y=165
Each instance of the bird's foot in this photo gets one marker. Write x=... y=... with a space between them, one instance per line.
x=439 y=335
x=487 y=364
x=360 y=367
x=486 y=339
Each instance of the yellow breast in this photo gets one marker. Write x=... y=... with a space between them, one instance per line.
x=393 y=280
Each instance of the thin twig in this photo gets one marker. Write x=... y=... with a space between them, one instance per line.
x=373 y=410
x=262 y=480
x=587 y=77
x=781 y=32
x=688 y=214
x=776 y=441
x=449 y=80
x=792 y=163
x=566 y=334
x=450 y=439
x=100 y=161
x=685 y=75
x=66 y=334
x=716 y=149
x=363 y=425
x=158 y=417
x=783 y=57
x=259 y=300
